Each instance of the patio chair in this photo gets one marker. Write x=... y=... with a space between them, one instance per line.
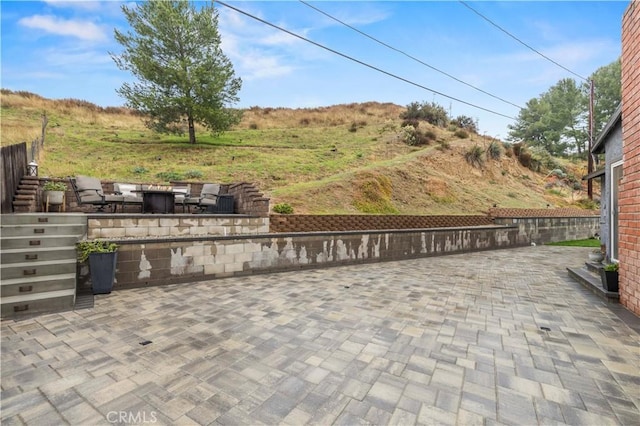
x=209 y=197
x=130 y=193
x=182 y=194
x=88 y=190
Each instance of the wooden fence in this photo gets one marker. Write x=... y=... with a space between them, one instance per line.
x=13 y=167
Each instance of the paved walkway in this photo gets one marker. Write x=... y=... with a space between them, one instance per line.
x=502 y=337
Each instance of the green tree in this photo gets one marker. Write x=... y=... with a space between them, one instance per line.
x=558 y=119
x=531 y=125
x=567 y=119
x=607 y=94
x=554 y=121
x=173 y=49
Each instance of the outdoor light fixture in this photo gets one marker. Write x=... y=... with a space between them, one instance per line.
x=32 y=169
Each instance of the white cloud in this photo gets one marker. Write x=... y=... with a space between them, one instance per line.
x=281 y=38
x=258 y=51
x=79 y=4
x=83 y=30
x=568 y=54
x=256 y=65
x=78 y=60
x=362 y=17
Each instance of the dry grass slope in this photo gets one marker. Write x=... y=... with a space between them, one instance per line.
x=342 y=159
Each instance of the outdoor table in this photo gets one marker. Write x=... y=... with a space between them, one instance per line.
x=157 y=201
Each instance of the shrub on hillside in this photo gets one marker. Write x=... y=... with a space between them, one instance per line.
x=541 y=160
x=416 y=137
x=426 y=111
x=517 y=148
x=524 y=157
x=474 y=156
x=461 y=133
x=430 y=134
x=508 y=151
x=193 y=174
x=466 y=123
x=169 y=176
x=494 y=151
x=413 y=122
x=408 y=135
x=283 y=208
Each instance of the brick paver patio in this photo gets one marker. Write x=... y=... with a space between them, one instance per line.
x=501 y=337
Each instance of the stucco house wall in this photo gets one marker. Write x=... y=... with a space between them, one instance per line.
x=609 y=142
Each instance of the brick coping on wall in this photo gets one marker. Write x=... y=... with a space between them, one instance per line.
x=542 y=213
x=281 y=223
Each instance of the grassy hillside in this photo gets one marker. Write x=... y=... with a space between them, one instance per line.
x=339 y=159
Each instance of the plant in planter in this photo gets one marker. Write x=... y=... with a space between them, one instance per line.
x=102 y=256
x=596 y=255
x=54 y=192
x=609 y=275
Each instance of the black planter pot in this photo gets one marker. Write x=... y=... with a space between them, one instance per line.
x=609 y=280
x=103 y=271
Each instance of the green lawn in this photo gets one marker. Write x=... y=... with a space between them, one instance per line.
x=589 y=242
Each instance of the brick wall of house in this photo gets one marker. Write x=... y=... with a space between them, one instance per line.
x=629 y=202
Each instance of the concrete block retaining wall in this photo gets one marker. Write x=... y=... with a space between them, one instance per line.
x=163 y=261
x=179 y=254
x=101 y=226
x=542 y=230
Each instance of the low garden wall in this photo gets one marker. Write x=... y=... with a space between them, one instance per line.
x=540 y=230
x=147 y=262
x=157 y=250
x=113 y=227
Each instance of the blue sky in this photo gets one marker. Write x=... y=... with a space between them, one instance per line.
x=60 y=49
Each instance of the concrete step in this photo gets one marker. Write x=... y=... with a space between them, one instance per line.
x=30 y=270
x=38 y=241
x=43 y=218
x=18 y=287
x=593 y=283
x=29 y=230
x=37 y=255
x=39 y=261
x=26 y=192
x=23 y=197
x=38 y=302
x=29 y=183
x=594 y=267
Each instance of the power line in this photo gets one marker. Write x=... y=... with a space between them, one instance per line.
x=409 y=56
x=520 y=41
x=363 y=63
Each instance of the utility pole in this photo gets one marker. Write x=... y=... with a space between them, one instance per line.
x=589 y=154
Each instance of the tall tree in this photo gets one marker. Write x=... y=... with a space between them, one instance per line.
x=173 y=49
x=567 y=118
x=607 y=96
x=554 y=121
x=558 y=119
